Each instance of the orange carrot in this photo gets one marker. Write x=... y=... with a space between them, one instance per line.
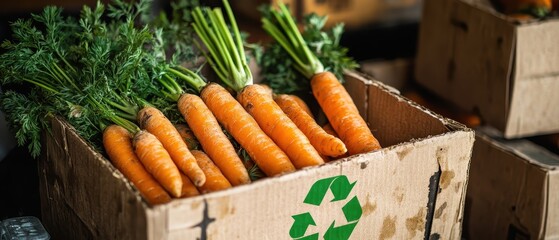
x=215 y=180
x=157 y=161
x=330 y=94
x=188 y=188
x=214 y=142
x=267 y=155
x=268 y=89
x=328 y=129
x=323 y=142
x=343 y=114
x=275 y=123
x=188 y=137
x=301 y=103
x=156 y=123
x=227 y=58
x=118 y=145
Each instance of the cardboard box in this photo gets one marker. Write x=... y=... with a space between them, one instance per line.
x=396 y=73
x=413 y=188
x=477 y=58
x=513 y=192
x=353 y=13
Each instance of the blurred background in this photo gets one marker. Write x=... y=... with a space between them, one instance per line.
x=380 y=34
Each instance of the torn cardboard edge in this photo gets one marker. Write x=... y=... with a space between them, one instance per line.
x=522 y=148
x=450 y=124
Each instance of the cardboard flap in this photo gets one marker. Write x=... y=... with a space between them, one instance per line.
x=522 y=148
x=510 y=189
x=552 y=226
x=392 y=118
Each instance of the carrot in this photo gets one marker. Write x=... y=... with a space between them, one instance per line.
x=276 y=124
x=188 y=137
x=157 y=161
x=214 y=142
x=117 y=142
x=215 y=180
x=268 y=89
x=301 y=103
x=226 y=55
x=324 y=143
x=242 y=126
x=343 y=114
x=188 y=188
x=330 y=94
x=156 y=123
x=328 y=129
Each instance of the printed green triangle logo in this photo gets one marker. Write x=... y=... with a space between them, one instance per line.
x=340 y=187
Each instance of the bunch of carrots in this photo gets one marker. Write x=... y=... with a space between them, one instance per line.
x=119 y=83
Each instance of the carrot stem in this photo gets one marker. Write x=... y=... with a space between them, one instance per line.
x=292 y=41
x=227 y=53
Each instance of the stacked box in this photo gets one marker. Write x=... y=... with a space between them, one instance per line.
x=513 y=189
x=412 y=188
x=481 y=60
x=507 y=71
x=353 y=13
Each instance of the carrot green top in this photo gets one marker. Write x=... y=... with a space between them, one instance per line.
x=281 y=26
x=225 y=49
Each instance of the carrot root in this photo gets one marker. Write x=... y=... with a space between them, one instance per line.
x=343 y=114
x=188 y=137
x=156 y=123
x=215 y=180
x=276 y=124
x=117 y=142
x=323 y=142
x=212 y=139
x=267 y=155
x=188 y=188
x=157 y=161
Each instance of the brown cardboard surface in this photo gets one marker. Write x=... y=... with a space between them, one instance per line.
x=552 y=226
x=395 y=73
x=481 y=60
x=412 y=188
x=512 y=190
x=464 y=56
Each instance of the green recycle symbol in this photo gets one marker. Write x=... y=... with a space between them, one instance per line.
x=340 y=188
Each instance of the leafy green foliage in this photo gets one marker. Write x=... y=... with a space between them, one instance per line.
x=90 y=71
x=177 y=32
x=278 y=68
x=26 y=117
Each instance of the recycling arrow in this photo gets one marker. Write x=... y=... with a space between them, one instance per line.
x=302 y=222
x=339 y=233
x=352 y=210
x=340 y=188
x=339 y=185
